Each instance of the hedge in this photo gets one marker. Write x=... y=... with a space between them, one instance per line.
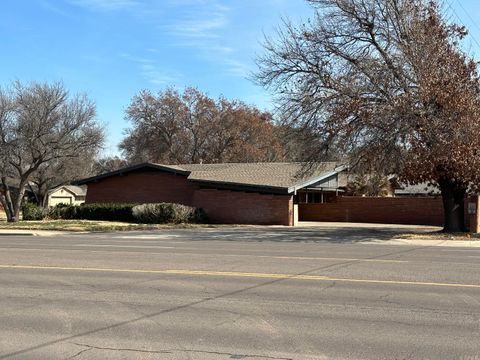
x=161 y=213
x=104 y=212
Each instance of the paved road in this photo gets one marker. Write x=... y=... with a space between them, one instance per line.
x=236 y=294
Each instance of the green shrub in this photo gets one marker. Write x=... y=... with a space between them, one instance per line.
x=164 y=213
x=32 y=211
x=200 y=216
x=61 y=211
x=108 y=212
x=102 y=212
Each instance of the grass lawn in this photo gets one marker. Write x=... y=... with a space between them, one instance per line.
x=440 y=236
x=88 y=225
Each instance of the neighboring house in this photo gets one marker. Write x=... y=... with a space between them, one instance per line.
x=67 y=194
x=244 y=193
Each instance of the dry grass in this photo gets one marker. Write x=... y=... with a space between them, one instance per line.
x=438 y=235
x=88 y=225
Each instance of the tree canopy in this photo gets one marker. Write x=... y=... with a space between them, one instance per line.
x=386 y=83
x=41 y=126
x=190 y=127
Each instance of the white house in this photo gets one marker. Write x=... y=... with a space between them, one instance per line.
x=67 y=194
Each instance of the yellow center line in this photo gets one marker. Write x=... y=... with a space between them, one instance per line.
x=241 y=274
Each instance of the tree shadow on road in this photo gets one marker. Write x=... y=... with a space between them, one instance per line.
x=341 y=235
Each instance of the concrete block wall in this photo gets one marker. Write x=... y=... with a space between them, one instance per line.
x=389 y=210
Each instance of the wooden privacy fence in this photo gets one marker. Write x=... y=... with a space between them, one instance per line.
x=388 y=210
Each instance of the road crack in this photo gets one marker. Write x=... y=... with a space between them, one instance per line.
x=172 y=351
x=79 y=353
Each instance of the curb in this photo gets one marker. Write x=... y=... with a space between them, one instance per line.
x=18 y=234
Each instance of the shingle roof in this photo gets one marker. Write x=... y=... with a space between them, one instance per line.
x=75 y=190
x=279 y=175
x=271 y=176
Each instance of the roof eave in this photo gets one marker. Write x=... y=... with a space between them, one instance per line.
x=65 y=187
x=313 y=180
x=242 y=186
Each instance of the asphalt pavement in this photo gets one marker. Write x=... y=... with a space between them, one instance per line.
x=240 y=293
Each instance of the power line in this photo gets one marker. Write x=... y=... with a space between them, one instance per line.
x=468 y=14
x=461 y=21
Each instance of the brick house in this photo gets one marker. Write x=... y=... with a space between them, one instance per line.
x=241 y=193
x=264 y=193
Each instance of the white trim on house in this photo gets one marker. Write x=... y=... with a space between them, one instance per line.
x=317 y=179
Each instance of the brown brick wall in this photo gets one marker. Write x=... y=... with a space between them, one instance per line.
x=142 y=187
x=237 y=207
x=222 y=206
x=398 y=210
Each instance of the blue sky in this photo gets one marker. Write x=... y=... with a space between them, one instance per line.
x=111 y=49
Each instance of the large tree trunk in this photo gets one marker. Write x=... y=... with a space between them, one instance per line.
x=19 y=201
x=6 y=200
x=453 y=196
x=3 y=202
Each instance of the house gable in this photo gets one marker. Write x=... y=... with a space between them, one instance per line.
x=141 y=186
x=144 y=167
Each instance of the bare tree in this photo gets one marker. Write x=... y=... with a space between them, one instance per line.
x=370 y=185
x=386 y=82
x=61 y=172
x=108 y=164
x=191 y=127
x=39 y=125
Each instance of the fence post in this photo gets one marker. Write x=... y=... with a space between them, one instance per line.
x=473 y=213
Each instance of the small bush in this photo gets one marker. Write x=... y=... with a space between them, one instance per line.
x=200 y=216
x=164 y=213
x=61 y=211
x=32 y=212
